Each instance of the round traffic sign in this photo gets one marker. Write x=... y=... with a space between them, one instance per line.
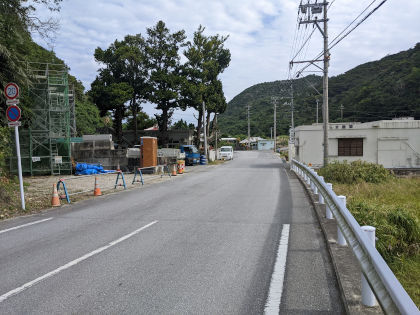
x=11 y=91
x=13 y=113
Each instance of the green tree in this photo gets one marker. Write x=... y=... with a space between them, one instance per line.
x=207 y=58
x=162 y=50
x=144 y=121
x=112 y=97
x=179 y=125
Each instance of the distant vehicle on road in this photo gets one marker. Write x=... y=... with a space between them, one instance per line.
x=226 y=153
x=192 y=156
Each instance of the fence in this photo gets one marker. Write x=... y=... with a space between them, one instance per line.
x=390 y=294
x=74 y=185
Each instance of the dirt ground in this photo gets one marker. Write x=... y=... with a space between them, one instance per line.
x=39 y=189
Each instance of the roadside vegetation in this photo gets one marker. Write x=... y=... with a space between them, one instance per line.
x=392 y=205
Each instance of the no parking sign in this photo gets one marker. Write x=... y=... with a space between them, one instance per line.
x=13 y=113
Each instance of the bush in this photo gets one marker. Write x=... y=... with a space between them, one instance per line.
x=355 y=172
x=397 y=230
x=4 y=148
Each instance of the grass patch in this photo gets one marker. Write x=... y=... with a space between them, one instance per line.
x=393 y=207
x=355 y=172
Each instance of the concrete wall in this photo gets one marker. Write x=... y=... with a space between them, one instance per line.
x=394 y=144
x=99 y=152
x=175 y=137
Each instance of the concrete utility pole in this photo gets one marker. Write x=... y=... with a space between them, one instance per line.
x=271 y=133
x=341 y=109
x=292 y=109
x=312 y=9
x=317 y=110
x=204 y=127
x=249 y=131
x=274 y=100
x=215 y=133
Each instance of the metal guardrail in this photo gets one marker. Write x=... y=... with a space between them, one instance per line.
x=390 y=294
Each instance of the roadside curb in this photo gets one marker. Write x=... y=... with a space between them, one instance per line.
x=345 y=264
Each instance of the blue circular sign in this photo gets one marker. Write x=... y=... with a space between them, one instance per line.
x=13 y=113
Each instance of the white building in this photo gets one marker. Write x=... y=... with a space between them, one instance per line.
x=392 y=143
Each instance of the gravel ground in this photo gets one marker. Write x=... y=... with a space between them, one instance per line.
x=40 y=188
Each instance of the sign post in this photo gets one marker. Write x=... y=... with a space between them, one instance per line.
x=11 y=91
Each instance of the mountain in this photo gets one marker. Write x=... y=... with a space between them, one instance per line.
x=376 y=90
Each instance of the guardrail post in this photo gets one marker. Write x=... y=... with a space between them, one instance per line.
x=340 y=237
x=328 y=213
x=368 y=298
x=320 y=197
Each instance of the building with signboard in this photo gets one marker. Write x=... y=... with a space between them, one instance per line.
x=391 y=143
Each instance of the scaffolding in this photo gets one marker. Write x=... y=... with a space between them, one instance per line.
x=45 y=145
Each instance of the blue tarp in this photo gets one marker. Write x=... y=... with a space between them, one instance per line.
x=90 y=169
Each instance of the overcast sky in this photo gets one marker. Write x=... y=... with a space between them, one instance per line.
x=261 y=34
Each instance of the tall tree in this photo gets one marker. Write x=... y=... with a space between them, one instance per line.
x=162 y=48
x=131 y=51
x=112 y=97
x=17 y=20
x=124 y=66
x=207 y=58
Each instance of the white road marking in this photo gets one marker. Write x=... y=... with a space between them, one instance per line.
x=24 y=225
x=72 y=263
x=272 y=306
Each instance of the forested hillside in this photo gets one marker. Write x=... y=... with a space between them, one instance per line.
x=376 y=90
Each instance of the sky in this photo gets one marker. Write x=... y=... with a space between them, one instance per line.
x=262 y=34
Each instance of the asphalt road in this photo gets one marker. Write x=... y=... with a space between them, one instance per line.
x=204 y=243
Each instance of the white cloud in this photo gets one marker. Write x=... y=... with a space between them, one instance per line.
x=261 y=33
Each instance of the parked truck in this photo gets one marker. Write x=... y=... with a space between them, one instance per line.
x=192 y=156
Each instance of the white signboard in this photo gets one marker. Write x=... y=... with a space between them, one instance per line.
x=36 y=159
x=58 y=159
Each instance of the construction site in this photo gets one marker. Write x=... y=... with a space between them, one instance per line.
x=45 y=144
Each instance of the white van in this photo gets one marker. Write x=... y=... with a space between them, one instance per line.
x=226 y=153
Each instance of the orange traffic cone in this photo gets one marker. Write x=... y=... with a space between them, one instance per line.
x=174 y=170
x=97 y=190
x=55 y=200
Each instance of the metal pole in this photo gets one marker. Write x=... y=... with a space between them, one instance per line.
x=325 y=85
x=22 y=194
x=275 y=126
x=204 y=127
x=249 y=131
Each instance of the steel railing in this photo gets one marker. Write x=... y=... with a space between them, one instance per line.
x=390 y=294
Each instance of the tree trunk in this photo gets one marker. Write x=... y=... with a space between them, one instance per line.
x=134 y=112
x=198 y=130
x=118 y=116
x=208 y=124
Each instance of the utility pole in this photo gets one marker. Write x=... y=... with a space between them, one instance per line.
x=271 y=133
x=249 y=131
x=341 y=109
x=293 y=109
x=215 y=133
x=311 y=10
x=317 y=110
x=205 y=128
x=275 y=99
x=325 y=82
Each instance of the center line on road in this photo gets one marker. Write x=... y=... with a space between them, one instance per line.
x=72 y=263
x=272 y=306
x=24 y=225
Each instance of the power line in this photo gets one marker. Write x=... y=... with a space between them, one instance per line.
x=336 y=40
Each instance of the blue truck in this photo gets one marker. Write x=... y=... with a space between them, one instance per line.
x=192 y=156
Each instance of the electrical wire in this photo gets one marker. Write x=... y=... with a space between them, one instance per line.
x=338 y=39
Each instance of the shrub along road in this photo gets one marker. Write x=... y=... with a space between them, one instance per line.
x=205 y=243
